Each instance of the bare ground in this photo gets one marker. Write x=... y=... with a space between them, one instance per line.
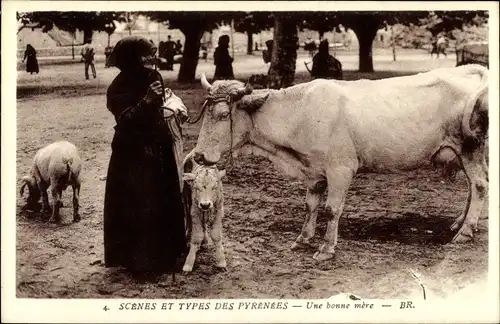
x=391 y=223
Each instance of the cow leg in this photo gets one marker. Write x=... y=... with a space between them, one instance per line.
x=76 y=202
x=478 y=185
x=313 y=197
x=216 y=235
x=56 y=202
x=339 y=180
x=460 y=219
x=197 y=235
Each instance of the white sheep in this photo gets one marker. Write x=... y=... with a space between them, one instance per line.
x=57 y=166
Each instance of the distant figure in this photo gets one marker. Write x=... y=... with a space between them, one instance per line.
x=256 y=47
x=88 y=53
x=325 y=66
x=266 y=54
x=32 y=62
x=439 y=46
x=107 y=53
x=310 y=46
x=161 y=49
x=169 y=53
x=178 y=47
x=222 y=60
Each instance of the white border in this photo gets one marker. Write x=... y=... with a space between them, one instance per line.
x=484 y=308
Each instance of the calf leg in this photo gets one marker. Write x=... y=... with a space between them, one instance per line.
x=313 y=197
x=197 y=235
x=339 y=180
x=207 y=241
x=478 y=185
x=76 y=202
x=56 y=202
x=216 y=235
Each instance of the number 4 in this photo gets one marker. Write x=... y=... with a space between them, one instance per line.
x=106 y=308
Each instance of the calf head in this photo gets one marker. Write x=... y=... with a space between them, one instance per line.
x=34 y=194
x=206 y=185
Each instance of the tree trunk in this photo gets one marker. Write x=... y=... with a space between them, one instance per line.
x=87 y=34
x=365 y=30
x=109 y=40
x=249 y=42
x=284 y=54
x=190 y=54
x=321 y=34
x=393 y=44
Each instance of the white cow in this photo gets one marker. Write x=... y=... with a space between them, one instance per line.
x=325 y=131
x=207 y=211
x=57 y=165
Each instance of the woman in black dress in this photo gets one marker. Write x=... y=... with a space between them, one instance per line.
x=222 y=60
x=32 y=62
x=143 y=212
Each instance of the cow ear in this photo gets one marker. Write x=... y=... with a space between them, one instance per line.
x=189 y=177
x=252 y=103
x=222 y=174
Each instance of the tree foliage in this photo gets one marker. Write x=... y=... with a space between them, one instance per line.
x=365 y=25
x=70 y=21
x=253 y=23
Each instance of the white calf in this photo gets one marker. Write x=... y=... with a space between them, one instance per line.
x=207 y=211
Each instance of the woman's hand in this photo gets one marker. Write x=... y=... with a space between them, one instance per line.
x=155 y=92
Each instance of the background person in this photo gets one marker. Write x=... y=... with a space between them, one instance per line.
x=32 y=62
x=88 y=52
x=222 y=60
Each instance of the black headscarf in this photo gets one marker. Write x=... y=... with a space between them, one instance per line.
x=128 y=52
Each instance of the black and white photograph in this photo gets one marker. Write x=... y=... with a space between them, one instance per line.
x=328 y=161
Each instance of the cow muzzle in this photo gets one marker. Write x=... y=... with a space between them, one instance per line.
x=205 y=205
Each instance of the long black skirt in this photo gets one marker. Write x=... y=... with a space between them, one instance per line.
x=32 y=65
x=144 y=227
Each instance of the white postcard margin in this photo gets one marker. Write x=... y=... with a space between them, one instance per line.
x=483 y=307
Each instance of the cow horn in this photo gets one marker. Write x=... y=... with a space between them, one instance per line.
x=204 y=82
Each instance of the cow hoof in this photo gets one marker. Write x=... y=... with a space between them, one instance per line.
x=323 y=256
x=77 y=218
x=222 y=269
x=186 y=269
x=463 y=236
x=299 y=245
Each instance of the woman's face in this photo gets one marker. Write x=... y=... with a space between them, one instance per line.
x=148 y=61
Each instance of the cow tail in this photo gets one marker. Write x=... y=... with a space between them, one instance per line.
x=469 y=134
